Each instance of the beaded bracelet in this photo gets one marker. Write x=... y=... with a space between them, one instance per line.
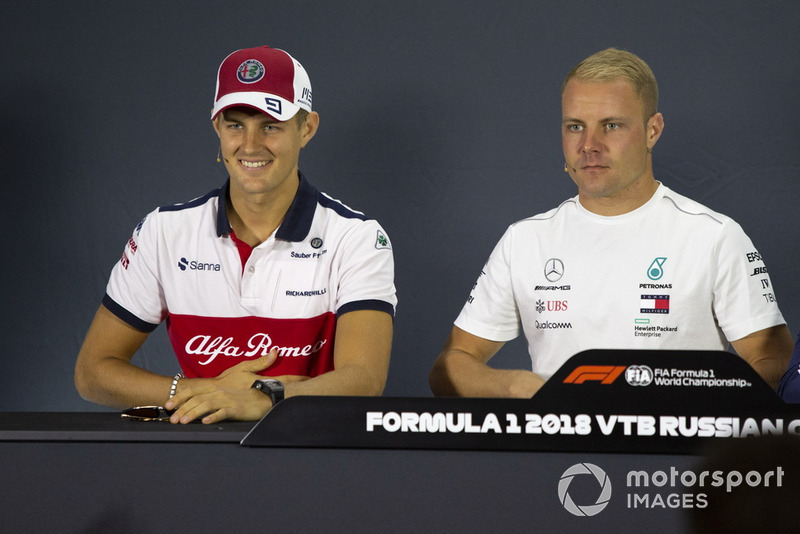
x=174 y=386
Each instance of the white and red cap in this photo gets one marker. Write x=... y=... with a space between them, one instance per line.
x=264 y=78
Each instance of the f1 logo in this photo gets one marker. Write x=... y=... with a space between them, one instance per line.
x=605 y=374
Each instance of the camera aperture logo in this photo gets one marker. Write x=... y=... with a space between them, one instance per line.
x=584 y=509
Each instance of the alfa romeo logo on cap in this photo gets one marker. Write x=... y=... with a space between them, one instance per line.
x=250 y=71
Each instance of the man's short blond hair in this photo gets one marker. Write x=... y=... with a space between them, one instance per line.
x=613 y=64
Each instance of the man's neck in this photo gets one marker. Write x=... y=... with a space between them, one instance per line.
x=621 y=203
x=254 y=218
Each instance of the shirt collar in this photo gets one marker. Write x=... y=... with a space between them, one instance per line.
x=296 y=223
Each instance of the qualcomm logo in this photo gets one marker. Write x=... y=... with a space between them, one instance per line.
x=589 y=509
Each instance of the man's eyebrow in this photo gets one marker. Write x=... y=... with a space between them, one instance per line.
x=603 y=121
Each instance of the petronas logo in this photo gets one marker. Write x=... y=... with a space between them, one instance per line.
x=656 y=269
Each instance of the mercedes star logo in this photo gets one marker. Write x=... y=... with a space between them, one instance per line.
x=554 y=269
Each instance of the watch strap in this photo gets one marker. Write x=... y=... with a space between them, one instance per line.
x=270 y=387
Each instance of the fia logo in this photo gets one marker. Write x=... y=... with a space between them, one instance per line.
x=638 y=375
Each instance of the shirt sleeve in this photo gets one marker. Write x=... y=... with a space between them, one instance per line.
x=744 y=299
x=491 y=311
x=365 y=270
x=134 y=292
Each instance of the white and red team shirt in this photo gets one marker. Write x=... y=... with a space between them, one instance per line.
x=672 y=274
x=182 y=264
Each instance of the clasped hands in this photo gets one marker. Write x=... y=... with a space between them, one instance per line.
x=227 y=396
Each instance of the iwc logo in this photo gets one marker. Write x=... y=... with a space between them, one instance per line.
x=587 y=509
x=553 y=270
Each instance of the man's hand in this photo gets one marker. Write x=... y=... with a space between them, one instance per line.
x=227 y=396
x=242 y=375
x=215 y=403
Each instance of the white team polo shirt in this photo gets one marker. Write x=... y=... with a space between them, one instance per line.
x=182 y=265
x=672 y=274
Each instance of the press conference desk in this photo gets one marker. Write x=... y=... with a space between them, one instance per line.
x=343 y=464
x=93 y=472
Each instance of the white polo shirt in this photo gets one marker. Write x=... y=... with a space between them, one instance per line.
x=672 y=274
x=181 y=264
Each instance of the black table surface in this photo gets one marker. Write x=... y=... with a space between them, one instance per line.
x=110 y=426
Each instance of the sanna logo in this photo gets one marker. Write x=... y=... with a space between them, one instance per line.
x=194 y=265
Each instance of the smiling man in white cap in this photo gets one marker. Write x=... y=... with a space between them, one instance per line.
x=269 y=288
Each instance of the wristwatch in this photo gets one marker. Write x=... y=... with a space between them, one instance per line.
x=271 y=387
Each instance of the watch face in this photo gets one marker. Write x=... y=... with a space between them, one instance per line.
x=271 y=387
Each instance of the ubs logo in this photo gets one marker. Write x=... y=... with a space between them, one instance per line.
x=553 y=270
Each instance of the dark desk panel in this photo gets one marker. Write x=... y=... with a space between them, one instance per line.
x=175 y=487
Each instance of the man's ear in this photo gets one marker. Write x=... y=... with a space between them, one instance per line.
x=655 y=126
x=215 y=123
x=309 y=127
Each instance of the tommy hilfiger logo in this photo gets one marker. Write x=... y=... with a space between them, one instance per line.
x=654 y=304
x=194 y=265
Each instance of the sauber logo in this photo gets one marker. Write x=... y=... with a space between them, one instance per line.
x=605 y=374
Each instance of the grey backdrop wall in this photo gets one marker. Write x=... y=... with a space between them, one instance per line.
x=440 y=119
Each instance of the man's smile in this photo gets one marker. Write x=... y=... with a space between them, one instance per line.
x=253 y=164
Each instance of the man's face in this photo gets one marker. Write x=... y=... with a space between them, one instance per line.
x=606 y=137
x=260 y=153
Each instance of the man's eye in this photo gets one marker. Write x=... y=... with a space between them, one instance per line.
x=574 y=127
x=612 y=126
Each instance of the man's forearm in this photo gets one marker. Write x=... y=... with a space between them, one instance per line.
x=457 y=373
x=119 y=384
x=353 y=380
